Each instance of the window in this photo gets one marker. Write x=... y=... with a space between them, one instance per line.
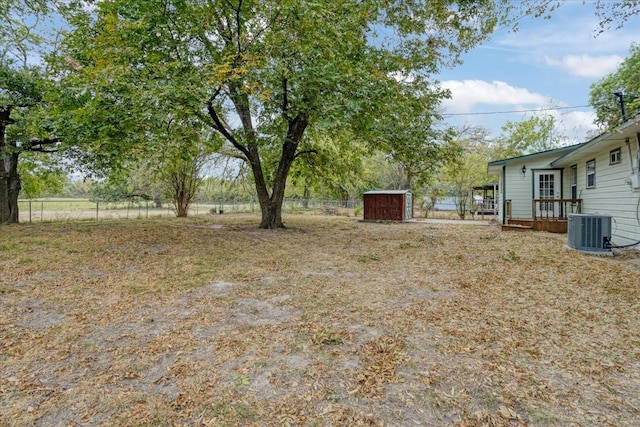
x=614 y=156
x=573 y=181
x=591 y=173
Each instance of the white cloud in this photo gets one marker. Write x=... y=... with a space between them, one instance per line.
x=578 y=126
x=469 y=96
x=465 y=94
x=586 y=65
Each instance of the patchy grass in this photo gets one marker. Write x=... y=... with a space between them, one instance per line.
x=213 y=322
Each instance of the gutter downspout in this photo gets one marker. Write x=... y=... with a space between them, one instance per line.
x=638 y=153
x=630 y=156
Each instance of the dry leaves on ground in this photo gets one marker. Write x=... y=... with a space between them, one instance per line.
x=213 y=322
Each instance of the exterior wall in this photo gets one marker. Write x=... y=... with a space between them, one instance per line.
x=611 y=195
x=519 y=188
x=391 y=206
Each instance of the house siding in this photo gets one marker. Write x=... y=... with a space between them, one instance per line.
x=519 y=189
x=611 y=195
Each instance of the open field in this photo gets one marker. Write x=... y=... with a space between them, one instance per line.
x=75 y=209
x=331 y=322
x=60 y=209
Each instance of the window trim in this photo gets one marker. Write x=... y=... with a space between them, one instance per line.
x=593 y=162
x=617 y=151
x=573 y=181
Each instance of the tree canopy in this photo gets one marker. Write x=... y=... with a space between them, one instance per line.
x=537 y=133
x=617 y=90
x=22 y=86
x=264 y=74
x=270 y=81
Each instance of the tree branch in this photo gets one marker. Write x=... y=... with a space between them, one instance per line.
x=285 y=99
x=220 y=127
x=305 y=152
x=37 y=145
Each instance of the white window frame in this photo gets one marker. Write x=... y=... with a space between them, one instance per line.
x=573 y=181
x=591 y=173
x=615 y=156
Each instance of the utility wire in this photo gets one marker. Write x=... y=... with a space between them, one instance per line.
x=514 y=111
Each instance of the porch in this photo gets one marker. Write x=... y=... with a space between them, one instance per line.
x=484 y=200
x=546 y=215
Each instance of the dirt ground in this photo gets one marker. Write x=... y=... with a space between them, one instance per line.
x=330 y=322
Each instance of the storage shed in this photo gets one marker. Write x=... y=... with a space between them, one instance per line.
x=388 y=205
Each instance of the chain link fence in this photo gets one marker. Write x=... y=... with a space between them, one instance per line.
x=50 y=210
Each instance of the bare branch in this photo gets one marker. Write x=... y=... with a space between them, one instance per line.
x=220 y=127
x=301 y=153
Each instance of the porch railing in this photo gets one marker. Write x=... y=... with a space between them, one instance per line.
x=555 y=209
x=508 y=209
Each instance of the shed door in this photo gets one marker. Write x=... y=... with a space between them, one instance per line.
x=408 y=207
x=547 y=186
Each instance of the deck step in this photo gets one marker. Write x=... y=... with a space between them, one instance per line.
x=516 y=227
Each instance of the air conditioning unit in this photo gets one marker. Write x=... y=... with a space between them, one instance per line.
x=633 y=181
x=589 y=233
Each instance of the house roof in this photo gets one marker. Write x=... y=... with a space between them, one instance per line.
x=568 y=155
x=495 y=167
x=594 y=146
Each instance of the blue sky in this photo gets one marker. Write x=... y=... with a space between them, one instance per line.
x=547 y=63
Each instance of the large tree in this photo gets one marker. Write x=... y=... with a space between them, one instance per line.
x=618 y=92
x=22 y=87
x=466 y=167
x=264 y=73
x=20 y=96
x=536 y=133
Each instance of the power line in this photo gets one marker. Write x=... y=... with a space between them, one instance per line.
x=533 y=110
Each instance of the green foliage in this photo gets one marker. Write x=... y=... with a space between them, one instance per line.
x=275 y=79
x=183 y=179
x=625 y=80
x=23 y=128
x=431 y=196
x=41 y=176
x=21 y=30
x=467 y=166
x=615 y=13
x=531 y=135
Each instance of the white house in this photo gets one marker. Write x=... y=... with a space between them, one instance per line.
x=600 y=176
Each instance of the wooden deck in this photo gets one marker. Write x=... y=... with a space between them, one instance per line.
x=552 y=226
x=554 y=218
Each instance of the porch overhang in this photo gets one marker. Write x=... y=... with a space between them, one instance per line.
x=495 y=167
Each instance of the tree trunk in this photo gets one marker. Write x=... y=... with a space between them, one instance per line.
x=271 y=206
x=4 y=194
x=5 y=210
x=270 y=201
x=305 y=197
x=14 y=188
x=184 y=184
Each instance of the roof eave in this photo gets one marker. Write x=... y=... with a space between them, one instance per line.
x=625 y=128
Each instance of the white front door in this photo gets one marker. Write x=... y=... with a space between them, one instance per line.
x=547 y=186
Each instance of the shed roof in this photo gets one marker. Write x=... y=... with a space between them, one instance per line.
x=387 y=192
